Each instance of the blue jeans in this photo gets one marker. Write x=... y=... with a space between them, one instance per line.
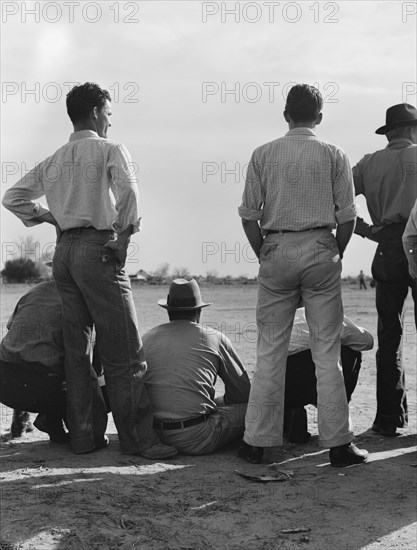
x=296 y=265
x=390 y=271
x=95 y=291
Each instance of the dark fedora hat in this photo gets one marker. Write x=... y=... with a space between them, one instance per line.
x=399 y=115
x=183 y=294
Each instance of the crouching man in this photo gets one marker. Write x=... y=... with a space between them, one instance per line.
x=32 y=375
x=184 y=360
x=300 y=377
x=32 y=363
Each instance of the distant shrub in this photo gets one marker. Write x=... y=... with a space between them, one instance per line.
x=20 y=271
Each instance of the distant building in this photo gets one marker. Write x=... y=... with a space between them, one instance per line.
x=141 y=276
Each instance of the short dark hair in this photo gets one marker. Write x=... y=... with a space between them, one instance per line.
x=83 y=98
x=190 y=314
x=304 y=103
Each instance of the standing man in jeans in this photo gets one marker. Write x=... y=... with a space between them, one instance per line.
x=388 y=180
x=298 y=189
x=92 y=200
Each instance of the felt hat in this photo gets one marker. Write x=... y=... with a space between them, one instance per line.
x=183 y=295
x=398 y=115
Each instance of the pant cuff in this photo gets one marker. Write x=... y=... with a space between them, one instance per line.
x=263 y=441
x=336 y=442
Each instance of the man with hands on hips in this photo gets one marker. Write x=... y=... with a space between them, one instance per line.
x=92 y=200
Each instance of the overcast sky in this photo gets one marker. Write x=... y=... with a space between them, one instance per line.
x=196 y=86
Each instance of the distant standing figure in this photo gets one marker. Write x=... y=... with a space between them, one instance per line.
x=362 y=284
x=388 y=180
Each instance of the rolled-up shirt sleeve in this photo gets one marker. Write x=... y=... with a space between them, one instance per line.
x=21 y=198
x=343 y=190
x=355 y=337
x=253 y=196
x=125 y=189
x=232 y=372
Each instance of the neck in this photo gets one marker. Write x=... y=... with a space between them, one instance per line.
x=292 y=125
x=84 y=125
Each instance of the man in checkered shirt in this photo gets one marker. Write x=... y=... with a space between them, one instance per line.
x=298 y=189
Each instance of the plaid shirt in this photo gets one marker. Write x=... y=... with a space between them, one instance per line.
x=87 y=182
x=298 y=182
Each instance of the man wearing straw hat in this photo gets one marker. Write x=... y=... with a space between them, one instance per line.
x=184 y=360
x=388 y=180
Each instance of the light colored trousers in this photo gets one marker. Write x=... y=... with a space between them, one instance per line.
x=298 y=265
x=224 y=426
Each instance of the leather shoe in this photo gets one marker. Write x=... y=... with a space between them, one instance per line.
x=346 y=455
x=387 y=431
x=253 y=455
x=55 y=430
x=98 y=444
x=159 y=451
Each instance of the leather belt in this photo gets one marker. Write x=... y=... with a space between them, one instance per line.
x=179 y=424
x=275 y=231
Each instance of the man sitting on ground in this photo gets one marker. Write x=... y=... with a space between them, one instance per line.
x=184 y=359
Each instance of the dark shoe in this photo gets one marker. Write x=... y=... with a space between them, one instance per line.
x=297 y=432
x=102 y=444
x=346 y=455
x=20 y=424
x=159 y=451
x=98 y=444
x=252 y=454
x=55 y=430
x=387 y=431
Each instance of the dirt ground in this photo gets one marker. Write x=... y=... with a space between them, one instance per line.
x=53 y=499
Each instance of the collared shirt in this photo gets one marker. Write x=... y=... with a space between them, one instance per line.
x=89 y=181
x=184 y=359
x=410 y=241
x=357 y=338
x=35 y=329
x=298 y=182
x=388 y=179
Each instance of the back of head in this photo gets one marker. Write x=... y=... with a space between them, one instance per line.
x=82 y=99
x=188 y=314
x=406 y=132
x=304 y=103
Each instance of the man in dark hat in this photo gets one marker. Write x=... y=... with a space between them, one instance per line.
x=184 y=360
x=388 y=180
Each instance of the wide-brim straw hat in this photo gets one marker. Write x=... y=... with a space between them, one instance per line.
x=183 y=295
x=402 y=114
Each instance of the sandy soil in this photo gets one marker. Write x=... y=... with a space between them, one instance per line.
x=52 y=499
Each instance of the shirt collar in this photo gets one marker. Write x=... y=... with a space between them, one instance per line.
x=81 y=134
x=304 y=131
x=400 y=143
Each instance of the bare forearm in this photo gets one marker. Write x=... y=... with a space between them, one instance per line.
x=344 y=232
x=254 y=235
